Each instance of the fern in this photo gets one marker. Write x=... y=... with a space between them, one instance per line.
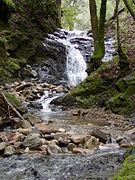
x=10 y=3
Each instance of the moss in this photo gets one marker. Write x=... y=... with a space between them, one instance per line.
x=127 y=171
x=13 y=99
x=120 y=104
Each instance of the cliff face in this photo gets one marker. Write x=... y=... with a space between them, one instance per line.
x=22 y=30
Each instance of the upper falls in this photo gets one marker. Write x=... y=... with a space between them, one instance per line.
x=66 y=54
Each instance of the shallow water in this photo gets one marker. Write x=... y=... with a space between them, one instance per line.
x=60 y=167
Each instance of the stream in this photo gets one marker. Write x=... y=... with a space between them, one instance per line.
x=104 y=162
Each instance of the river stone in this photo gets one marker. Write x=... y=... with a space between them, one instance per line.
x=100 y=134
x=53 y=149
x=25 y=131
x=32 y=140
x=2 y=146
x=63 y=141
x=31 y=118
x=45 y=129
x=23 y=124
x=83 y=151
x=9 y=150
x=71 y=146
x=77 y=139
x=92 y=143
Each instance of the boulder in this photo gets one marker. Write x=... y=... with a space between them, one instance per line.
x=32 y=140
x=77 y=138
x=71 y=146
x=2 y=146
x=83 y=151
x=32 y=119
x=92 y=143
x=99 y=134
x=45 y=128
x=9 y=150
x=23 y=124
x=53 y=148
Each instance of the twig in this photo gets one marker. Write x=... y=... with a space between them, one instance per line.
x=12 y=107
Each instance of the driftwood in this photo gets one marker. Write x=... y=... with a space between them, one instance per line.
x=10 y=106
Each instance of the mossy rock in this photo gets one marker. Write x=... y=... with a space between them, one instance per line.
x=126 y=84
x=13 y=99
x=127 y=171
x=121 y=104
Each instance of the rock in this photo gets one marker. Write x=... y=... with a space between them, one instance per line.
x=77 y=139
x=23 y=86
x=35 y=105
x=32 y=140
x=34 y=73
x=43 y=148
x=92 y=143
x=25 y=131
x=31 y=118
x=83 y=151
x=27 y=150
x=125 y=143
x=71 y=146
x=62 y=130
x=63 y=141
x=9 y=150
x=23 y=124
x=100 y=134
x=64 y=149
x=2 y=146
x=45 y=129
x=53 y=149
x=49 y=137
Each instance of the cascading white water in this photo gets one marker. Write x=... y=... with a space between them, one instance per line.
x=46 y=104
x=76 y=65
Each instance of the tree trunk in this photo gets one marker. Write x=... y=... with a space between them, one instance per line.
x=123 y=62
x=129 y=9
x=98 y=27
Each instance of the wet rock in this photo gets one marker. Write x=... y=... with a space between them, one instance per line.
x=43 y=148
x=32 y=140
x=9 y=150
x=99 y=134
x=49 y=137
x=27 y=150
x=2 y=146
x=125 y=143
x=23 y=86
x=34 y=73
x=25 y=131
x=45 y=129
x=35 y=105
x=23 y=124
x=82 y=151
x=53 y=148
x=64 y=149
x=92 y=143
x=77 y=139
x=31 y=118
x=71 y=146
x=63 y=141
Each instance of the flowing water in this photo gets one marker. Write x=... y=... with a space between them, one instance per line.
x=103 y=163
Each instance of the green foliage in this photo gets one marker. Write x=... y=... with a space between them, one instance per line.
x=10 y=3
x=127 y=171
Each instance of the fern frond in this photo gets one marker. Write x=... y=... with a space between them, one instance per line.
x=10 y=3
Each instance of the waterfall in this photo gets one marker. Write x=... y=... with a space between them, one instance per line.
x=75 y=65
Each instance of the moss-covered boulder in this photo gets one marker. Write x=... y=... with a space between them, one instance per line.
x=123 y=98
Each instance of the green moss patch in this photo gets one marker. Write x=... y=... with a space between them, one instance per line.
x=127 y=171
